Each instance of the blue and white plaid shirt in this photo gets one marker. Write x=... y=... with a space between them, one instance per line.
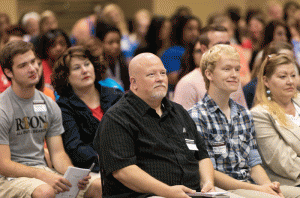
x=231 y=144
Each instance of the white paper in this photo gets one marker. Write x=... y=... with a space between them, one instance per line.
x=73 y=175
x=208 y=194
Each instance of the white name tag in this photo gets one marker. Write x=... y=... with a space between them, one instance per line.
x=191 y=144
x=39 y=108
x=192 y=147
x=219 y=149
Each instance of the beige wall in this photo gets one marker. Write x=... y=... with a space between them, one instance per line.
x=200 y=8
x=9 y=7
x=203 y=8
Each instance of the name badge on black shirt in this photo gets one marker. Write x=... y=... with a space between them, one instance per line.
x=191 y=144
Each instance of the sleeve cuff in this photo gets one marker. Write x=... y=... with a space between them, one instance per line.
x=254 y=158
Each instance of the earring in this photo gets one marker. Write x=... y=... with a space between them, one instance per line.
x=268 y=94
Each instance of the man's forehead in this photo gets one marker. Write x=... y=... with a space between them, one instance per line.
x=25 y=57
x=143 y=62
x=220 y=36
x=229 y=60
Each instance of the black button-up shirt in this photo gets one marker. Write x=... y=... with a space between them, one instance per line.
x=168 y=148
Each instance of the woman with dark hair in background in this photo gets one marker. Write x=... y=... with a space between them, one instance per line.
x=157 y=38
x=117 y=68
x=185 y=30
x=274 y=31
x=190 y=59
x=255 y=29
x=52 y=45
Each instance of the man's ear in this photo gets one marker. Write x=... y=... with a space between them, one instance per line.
x=133 y=83
x=208 y=74
x=8 y=72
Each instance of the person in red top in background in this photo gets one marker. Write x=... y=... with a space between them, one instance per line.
x=4 y=25
x=4 y=83
x=52 y=45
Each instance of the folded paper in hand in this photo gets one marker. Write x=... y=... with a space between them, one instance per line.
x=208 y=194
x=73 y=175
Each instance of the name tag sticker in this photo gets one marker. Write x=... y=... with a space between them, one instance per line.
x=191 y=144
x=219 y=149
x=192 y=147
x=39 y=106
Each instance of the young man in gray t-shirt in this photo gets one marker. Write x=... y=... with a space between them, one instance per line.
x=27 y=118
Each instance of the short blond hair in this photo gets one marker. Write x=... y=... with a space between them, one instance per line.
x=213 y=55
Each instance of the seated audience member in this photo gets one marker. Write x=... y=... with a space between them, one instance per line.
x=113 y=15
x=117 y=69
x=137 y=38
x=289 y=10
x=275 y=47
x=83 y=101
x=183 y=11
x=4 y=25
x=158 y=36
x=255 y=32
x=149 y=145
x=47 y=22
x=185 y=30
x=27 y=118
x=274 y=10
x=228 y=130
x=295 y=37
x=238 y=21
x=52 y=45
x=276 y=118
x=274 y=31
x=30 y=23
x=190 y=59
x=4 y=37
x=4 y=82
x=85 y=28
x=191 y=88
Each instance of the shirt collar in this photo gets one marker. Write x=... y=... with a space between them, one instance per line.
x=212 y=106
x=210 y=103
x=142 y=106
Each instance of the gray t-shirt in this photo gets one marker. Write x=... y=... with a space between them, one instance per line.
x=24 y=124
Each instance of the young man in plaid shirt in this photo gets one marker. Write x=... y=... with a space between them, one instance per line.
x=228 y=130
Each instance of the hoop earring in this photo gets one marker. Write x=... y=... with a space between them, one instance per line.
x=268 y=94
